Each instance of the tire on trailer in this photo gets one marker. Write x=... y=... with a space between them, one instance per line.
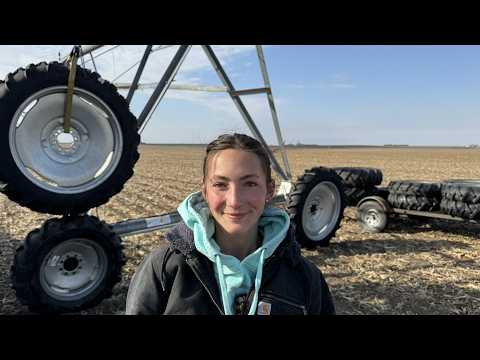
x=463 y=191
x=378 y=175
x=428 y=189
x=52 y=172
x=372 y=216
x=354 y=195
x=460 y=209
x=359 y=177
x=412 y=202
x=315 y=205
x=67 y=265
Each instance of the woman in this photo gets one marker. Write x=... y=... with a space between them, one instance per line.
x=231 y=254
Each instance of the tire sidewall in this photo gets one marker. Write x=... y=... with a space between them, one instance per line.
x=360 y=177
x=36 y=255
x=318 y=177
x=57 y=75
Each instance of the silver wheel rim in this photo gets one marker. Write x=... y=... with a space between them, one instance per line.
x=372 y=218
x=321 y=210
x=65 y=163
x=73 y=269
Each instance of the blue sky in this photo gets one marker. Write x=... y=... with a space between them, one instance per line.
x=354 y=95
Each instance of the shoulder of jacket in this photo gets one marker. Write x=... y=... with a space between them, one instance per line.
x=165 y=262
x=165 y=258
x=180 y=238
x=310 y=270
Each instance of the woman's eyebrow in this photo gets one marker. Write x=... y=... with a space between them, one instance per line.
x=220 y=177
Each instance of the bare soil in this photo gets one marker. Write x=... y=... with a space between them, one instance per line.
x=413 y=267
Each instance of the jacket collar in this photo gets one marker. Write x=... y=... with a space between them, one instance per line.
x=181 y=239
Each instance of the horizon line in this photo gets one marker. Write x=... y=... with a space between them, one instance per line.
x=471 y=146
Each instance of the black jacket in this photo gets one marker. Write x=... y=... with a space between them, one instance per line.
x=177 y=279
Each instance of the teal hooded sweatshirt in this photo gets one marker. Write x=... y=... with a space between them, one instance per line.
x=234 y=277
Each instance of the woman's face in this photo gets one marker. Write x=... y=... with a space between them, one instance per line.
x=236 y=190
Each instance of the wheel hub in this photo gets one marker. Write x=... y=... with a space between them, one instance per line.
x=73 y=269
x=372 y=219
x=70 y=264
x=61 y=147
x=65 y=143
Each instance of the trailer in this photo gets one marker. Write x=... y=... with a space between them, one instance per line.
x=374 y=212
x=69 y=143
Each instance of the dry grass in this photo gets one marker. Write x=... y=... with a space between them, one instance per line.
x=411 y=268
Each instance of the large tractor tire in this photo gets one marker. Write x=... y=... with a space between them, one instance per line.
x=412 y=202
x=359 y=177
x=67 y=265
x=460 y=209
x=359 y=182
x=53 y=172
x=428 y=189
x=467 y=191
x=315 y=206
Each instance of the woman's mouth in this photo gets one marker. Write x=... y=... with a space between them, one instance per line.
x=236 y=216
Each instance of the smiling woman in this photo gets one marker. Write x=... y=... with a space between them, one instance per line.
x=232 y=254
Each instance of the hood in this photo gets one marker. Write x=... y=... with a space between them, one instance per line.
x=234 y=277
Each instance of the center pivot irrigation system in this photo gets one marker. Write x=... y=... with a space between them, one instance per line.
x=69 y=143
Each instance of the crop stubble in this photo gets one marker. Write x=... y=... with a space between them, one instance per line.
x=413 y=267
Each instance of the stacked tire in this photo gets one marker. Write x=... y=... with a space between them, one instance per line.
x=461 y=198
x=359 y=182
x=414 y=195
x=40 y=171
x=68 y=264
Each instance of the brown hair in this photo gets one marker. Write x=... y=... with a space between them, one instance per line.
x=241 y=142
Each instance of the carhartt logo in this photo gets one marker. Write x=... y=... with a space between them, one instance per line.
x=264 y=308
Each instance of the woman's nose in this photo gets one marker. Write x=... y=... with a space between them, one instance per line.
x=234 y=196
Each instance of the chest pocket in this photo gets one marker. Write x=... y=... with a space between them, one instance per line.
x=271 y=304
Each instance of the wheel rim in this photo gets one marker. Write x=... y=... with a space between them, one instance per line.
x=73 y=269
x=65 y=163
x=321 y=210
x=372 y=218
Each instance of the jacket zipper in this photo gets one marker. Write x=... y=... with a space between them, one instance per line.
x=247 y=303
x=207 y=289
x=273 y=297
x=270 y=296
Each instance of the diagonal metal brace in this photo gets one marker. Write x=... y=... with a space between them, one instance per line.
x=243 y=110
x=72 y=65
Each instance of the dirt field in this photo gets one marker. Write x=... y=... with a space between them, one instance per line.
x=413 y=267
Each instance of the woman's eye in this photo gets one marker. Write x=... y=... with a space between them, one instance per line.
x=219 y=185
x=251 y=184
